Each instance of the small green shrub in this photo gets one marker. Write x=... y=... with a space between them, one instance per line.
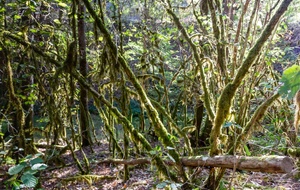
x=24 y=174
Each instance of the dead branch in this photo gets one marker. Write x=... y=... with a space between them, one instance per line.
x=267 y=164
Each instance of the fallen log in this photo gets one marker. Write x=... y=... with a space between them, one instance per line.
x=267 y=164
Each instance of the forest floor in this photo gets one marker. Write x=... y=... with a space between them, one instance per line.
x=109 y=176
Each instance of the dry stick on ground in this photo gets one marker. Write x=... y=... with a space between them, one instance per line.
x=268 y=164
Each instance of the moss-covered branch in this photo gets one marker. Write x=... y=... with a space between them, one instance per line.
x=173 y=125
x=224 y=102
x=198 y=59
x=238 y=33
x=19 y=120
x=258 y=114
x=138 y=137
x=159 y=128
x=219 y=36
x=108 y=128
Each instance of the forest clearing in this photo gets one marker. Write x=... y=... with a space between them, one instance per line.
x=168 y=94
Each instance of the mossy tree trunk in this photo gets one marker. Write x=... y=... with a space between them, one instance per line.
x=225 y=100
x=15 y=105
x=205 y=132
x=21 y=95
x=83 y=65
x=3 y=88
x=199 y=108
x=136 y=136
x=26 y=90
x=159 y=128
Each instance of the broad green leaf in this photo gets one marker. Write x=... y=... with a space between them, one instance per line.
x=56 y=21
x=15 y=169
x=61 y=4
x=16 y=185
x=36 y=160
x=248 y=153
x=40 y=154
x=30 y=172
x=28 y=156
x=12 y=5
x=291 y=82
x=175 y=186
x=17 y=17
x=161 y=185
x=39 y=166
x=33 y=30
x=222 y=186
x=29 y=180
x=2 y=10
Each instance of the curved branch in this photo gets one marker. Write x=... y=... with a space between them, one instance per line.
x=224 y=102
x=198 y=58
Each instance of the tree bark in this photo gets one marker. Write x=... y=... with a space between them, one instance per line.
x=84 y=123
x=199 y=108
